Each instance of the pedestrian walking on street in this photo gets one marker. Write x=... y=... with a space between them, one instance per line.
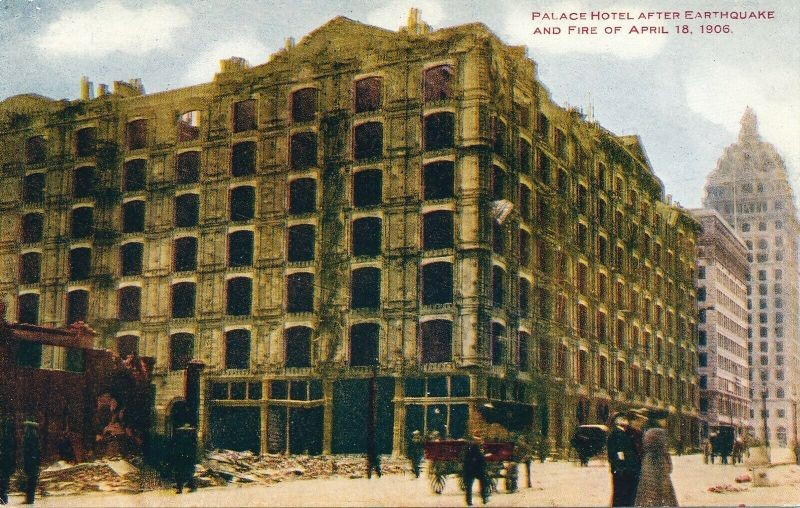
x=474 y=467
x=8 y=456
x=655 y=486
x=416 y=451
x=31 y=459
x=625 y=457
x=184 y=457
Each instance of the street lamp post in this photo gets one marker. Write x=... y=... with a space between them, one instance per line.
x=764 y=414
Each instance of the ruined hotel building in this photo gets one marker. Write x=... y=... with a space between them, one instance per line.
x=406 y=209
x=750 y=188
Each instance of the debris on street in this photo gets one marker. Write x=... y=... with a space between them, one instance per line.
x=727 y=487
x=744 y=478
x=247 y=467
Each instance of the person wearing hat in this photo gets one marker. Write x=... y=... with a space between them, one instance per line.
x=184 y=449
x=8 y=456
x=655 y=486
x=474 y=467
x=31 y=459
x=415 y=451
x=624 y=457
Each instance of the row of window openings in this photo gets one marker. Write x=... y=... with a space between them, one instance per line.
x=762 y=226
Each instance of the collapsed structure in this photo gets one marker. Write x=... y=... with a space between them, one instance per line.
x=395 y=223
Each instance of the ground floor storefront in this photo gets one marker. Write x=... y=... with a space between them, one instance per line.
x=319 y=415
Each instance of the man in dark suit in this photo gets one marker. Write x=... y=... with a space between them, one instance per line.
x=474 y=467
x=31 y=459
x=184 y=449
x=625 y=457
x=8 y=456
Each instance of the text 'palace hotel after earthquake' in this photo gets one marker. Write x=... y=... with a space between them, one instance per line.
x=404 y=210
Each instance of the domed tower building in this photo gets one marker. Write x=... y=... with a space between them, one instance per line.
x=750 y=188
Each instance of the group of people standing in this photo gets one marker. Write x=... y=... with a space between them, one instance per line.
x=640 y=461
x=31 y=457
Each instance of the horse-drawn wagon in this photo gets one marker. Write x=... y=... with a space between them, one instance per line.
x=446 y=458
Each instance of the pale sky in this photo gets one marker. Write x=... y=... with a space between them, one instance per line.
x=682 y=93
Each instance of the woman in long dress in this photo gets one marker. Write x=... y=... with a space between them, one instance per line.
x=655 y=486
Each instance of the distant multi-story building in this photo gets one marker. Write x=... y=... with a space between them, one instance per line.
x=409 y=206
x=750 y=188
x=722 y=271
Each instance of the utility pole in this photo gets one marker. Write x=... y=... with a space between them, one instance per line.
x=764 y=414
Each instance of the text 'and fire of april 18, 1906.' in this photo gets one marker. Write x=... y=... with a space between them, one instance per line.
x=642 y=22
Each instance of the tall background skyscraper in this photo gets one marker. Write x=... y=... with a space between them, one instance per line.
x=750 y=188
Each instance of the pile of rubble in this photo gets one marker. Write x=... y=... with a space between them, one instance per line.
x=64 y=479
x=727 y=487
x=222 y=466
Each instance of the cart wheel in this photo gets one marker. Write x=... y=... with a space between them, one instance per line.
x=437 y=483
x=493 y=485
x=511 y=484
x=461 y=484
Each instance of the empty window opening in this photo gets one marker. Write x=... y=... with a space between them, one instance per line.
x=243 y=203
x=28 y=309
x=131 y=255
x=524 y=296
x=85 y=140
x=525 y=156
x=32 y=227
x=80 y=263
x=438 y=83
x=237 y=349
x=437 y=230
x=300 y=292
x=367 y=188
x=525 y=202
x=437 y=283
x=498 y=239
x=127 y=345
x=81 y=222
x=35 y=150
x=365 y=289
x=523 y=351
x=30 y=268
x=301 y=243
x=181 y=350
x=183 y=299
x=243 y=158
x=134 y=177
x=244 y=115
x=368 y=141
x=304 y=105
x=524 y=248
x=498 y=286
x=436 y=341
x=439 y=131
x=366 y=240
x=298 y=346
x=185 y=258
x=439 y=182
x=368 y=94
x=33 y=189
x=77 y=306
x=83 y=182
x=302 y=196
x=498 y=344
x=189 y=126
x=498 y=136
x=136 y=134
x=187 y=210
x=303 y=148
x=239 y=296
x=133 y=217
x=498 y=183
x=364 y=344
x=129 y=301
x=188 y=167
x=240 y=248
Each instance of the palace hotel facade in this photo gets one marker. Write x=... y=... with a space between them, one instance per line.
x=405 y=210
